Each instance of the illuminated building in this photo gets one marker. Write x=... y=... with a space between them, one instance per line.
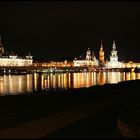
x=101 y=55
x=131 y=64
x=12 y=59
x=114 y=63
x=54 y=64
x=89 y=61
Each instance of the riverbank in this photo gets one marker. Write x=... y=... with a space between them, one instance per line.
x=13 y=70
x=17 y=110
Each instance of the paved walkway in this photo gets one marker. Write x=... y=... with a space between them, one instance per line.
x=46 y=125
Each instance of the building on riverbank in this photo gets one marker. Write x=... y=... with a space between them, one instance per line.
x=90 y=60
x=13 y=59
x=114 y=63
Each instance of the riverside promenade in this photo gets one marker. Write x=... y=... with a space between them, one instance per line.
x=45 y=115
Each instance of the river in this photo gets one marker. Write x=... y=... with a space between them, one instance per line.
x=27 y=83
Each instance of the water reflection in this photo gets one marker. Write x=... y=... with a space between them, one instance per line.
x=101 y=78
x=19 y=84
x=113 y=77
x=78 y=80
x=15 y=84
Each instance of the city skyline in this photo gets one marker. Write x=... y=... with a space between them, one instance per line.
x=55 y=30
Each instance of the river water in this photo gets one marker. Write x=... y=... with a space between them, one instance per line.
x=25 y=84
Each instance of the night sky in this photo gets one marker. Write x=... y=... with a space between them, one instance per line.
x=64 y=30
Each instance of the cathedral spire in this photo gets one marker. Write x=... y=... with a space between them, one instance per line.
x=88 y=54
x=101 y=48
x=114 y=45
x=101 y=54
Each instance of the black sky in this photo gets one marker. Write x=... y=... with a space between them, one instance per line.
x=59 y=29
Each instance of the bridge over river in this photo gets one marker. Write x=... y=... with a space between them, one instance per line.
x=44 y=69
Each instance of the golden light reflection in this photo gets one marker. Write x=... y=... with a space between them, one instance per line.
x=101 y=78
x=137 y=75
x=127 y=76
x=15 y=84
x=20 y=85
x=53 y=81
x=132 y=76
x=35 y=80
x=114 y=77
x=87 y=80
x=59 y=81
x=83 y=79
x=69 y=80
x=11 y=85
x=123 y=76
x=75 y=80
x=29 y=82
x=94 y=78
x=1 y=88
x=42 y=82
x=48 y=81
x=65 y=81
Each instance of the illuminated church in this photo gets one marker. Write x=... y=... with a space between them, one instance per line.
x=101 y=56
x=90 y=60
x=12 y=59
x=114 y=63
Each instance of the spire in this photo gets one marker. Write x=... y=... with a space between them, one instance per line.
x=101 y=42
x=101 y=48
x=114 y=45
x=88 y=51
x=88 y=54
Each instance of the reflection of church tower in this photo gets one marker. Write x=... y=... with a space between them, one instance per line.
x=114 y=57
x=101 y=55
x=1 y=47
x=88 y=54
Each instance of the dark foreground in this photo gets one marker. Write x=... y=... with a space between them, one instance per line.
x=101 y=123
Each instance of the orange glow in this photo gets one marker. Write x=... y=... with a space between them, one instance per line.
x=20 y=85
x=132 y=76
x=15 y=84
x=127 y=76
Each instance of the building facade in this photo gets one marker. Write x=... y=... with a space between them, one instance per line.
x=114 y=63
x=13 y=60
x=90 y=60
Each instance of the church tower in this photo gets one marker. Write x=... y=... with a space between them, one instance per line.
x=88 y=54
x=101 y=55
x=114 y=63
x=1 y=48
x=114 y=56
